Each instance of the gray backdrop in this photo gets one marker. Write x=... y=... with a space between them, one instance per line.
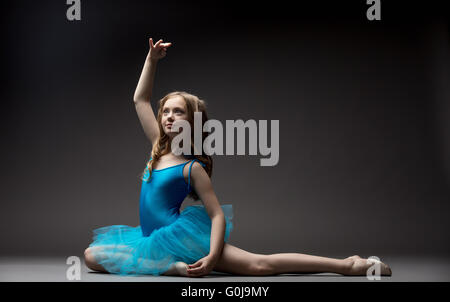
x=363 y=108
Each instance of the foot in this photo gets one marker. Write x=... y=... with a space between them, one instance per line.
x=358 y=266
x=177 y=269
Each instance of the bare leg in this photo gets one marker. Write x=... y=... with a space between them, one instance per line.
x=90 y=262
x=240 y=262
x=120 y=252
x=237 y=261
x=177 y=269
x=302 y=263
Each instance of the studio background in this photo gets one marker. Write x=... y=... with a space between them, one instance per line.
x=363 y=108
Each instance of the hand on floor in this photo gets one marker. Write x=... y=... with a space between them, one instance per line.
x=202 y=267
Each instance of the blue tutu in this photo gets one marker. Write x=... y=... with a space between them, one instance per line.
x=165 y=235
x=123 y=249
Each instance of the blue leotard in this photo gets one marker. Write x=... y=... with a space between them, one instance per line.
x=164 y=235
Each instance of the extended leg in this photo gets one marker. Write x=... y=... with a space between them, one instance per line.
x=237 y=261
x=302 y=263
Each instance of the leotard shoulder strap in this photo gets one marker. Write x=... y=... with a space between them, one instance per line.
x=189 y=174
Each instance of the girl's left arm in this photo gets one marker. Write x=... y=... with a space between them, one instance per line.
x=203 y=187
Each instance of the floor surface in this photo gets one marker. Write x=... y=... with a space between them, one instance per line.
x=404 y=269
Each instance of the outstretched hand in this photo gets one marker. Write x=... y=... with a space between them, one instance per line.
x=158 y=50
x=202 y=267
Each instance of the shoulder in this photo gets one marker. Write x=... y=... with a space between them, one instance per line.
x=198 y=171
x=198 y=167
x=194 y=167
x=200 y=178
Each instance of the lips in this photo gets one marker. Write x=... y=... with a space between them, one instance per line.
x=169 y=125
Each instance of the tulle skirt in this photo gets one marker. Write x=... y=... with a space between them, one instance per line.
x=123 y=250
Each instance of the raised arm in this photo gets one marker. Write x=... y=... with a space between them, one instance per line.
x=144 y=88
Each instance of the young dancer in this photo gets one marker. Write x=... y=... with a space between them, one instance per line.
x=192 y=242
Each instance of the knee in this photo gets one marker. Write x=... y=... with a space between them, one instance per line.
x=87 y=253
x=89 y=258
x=262 y=266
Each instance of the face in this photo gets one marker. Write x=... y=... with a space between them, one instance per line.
x=174 y=109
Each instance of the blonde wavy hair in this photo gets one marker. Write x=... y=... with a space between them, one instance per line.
x=161 y=146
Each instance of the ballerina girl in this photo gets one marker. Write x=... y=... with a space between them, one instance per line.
x=193 y=242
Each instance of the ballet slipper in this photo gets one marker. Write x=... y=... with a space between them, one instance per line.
x=359 y=266
x=384 y=268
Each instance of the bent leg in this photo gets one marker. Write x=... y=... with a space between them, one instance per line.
x=90 y=262
x=177 y=269
x=93 y=254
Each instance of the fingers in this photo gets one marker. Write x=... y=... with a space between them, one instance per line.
x=160 y=44
x=196 y=272
x=196 y=264
x=195 y=269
